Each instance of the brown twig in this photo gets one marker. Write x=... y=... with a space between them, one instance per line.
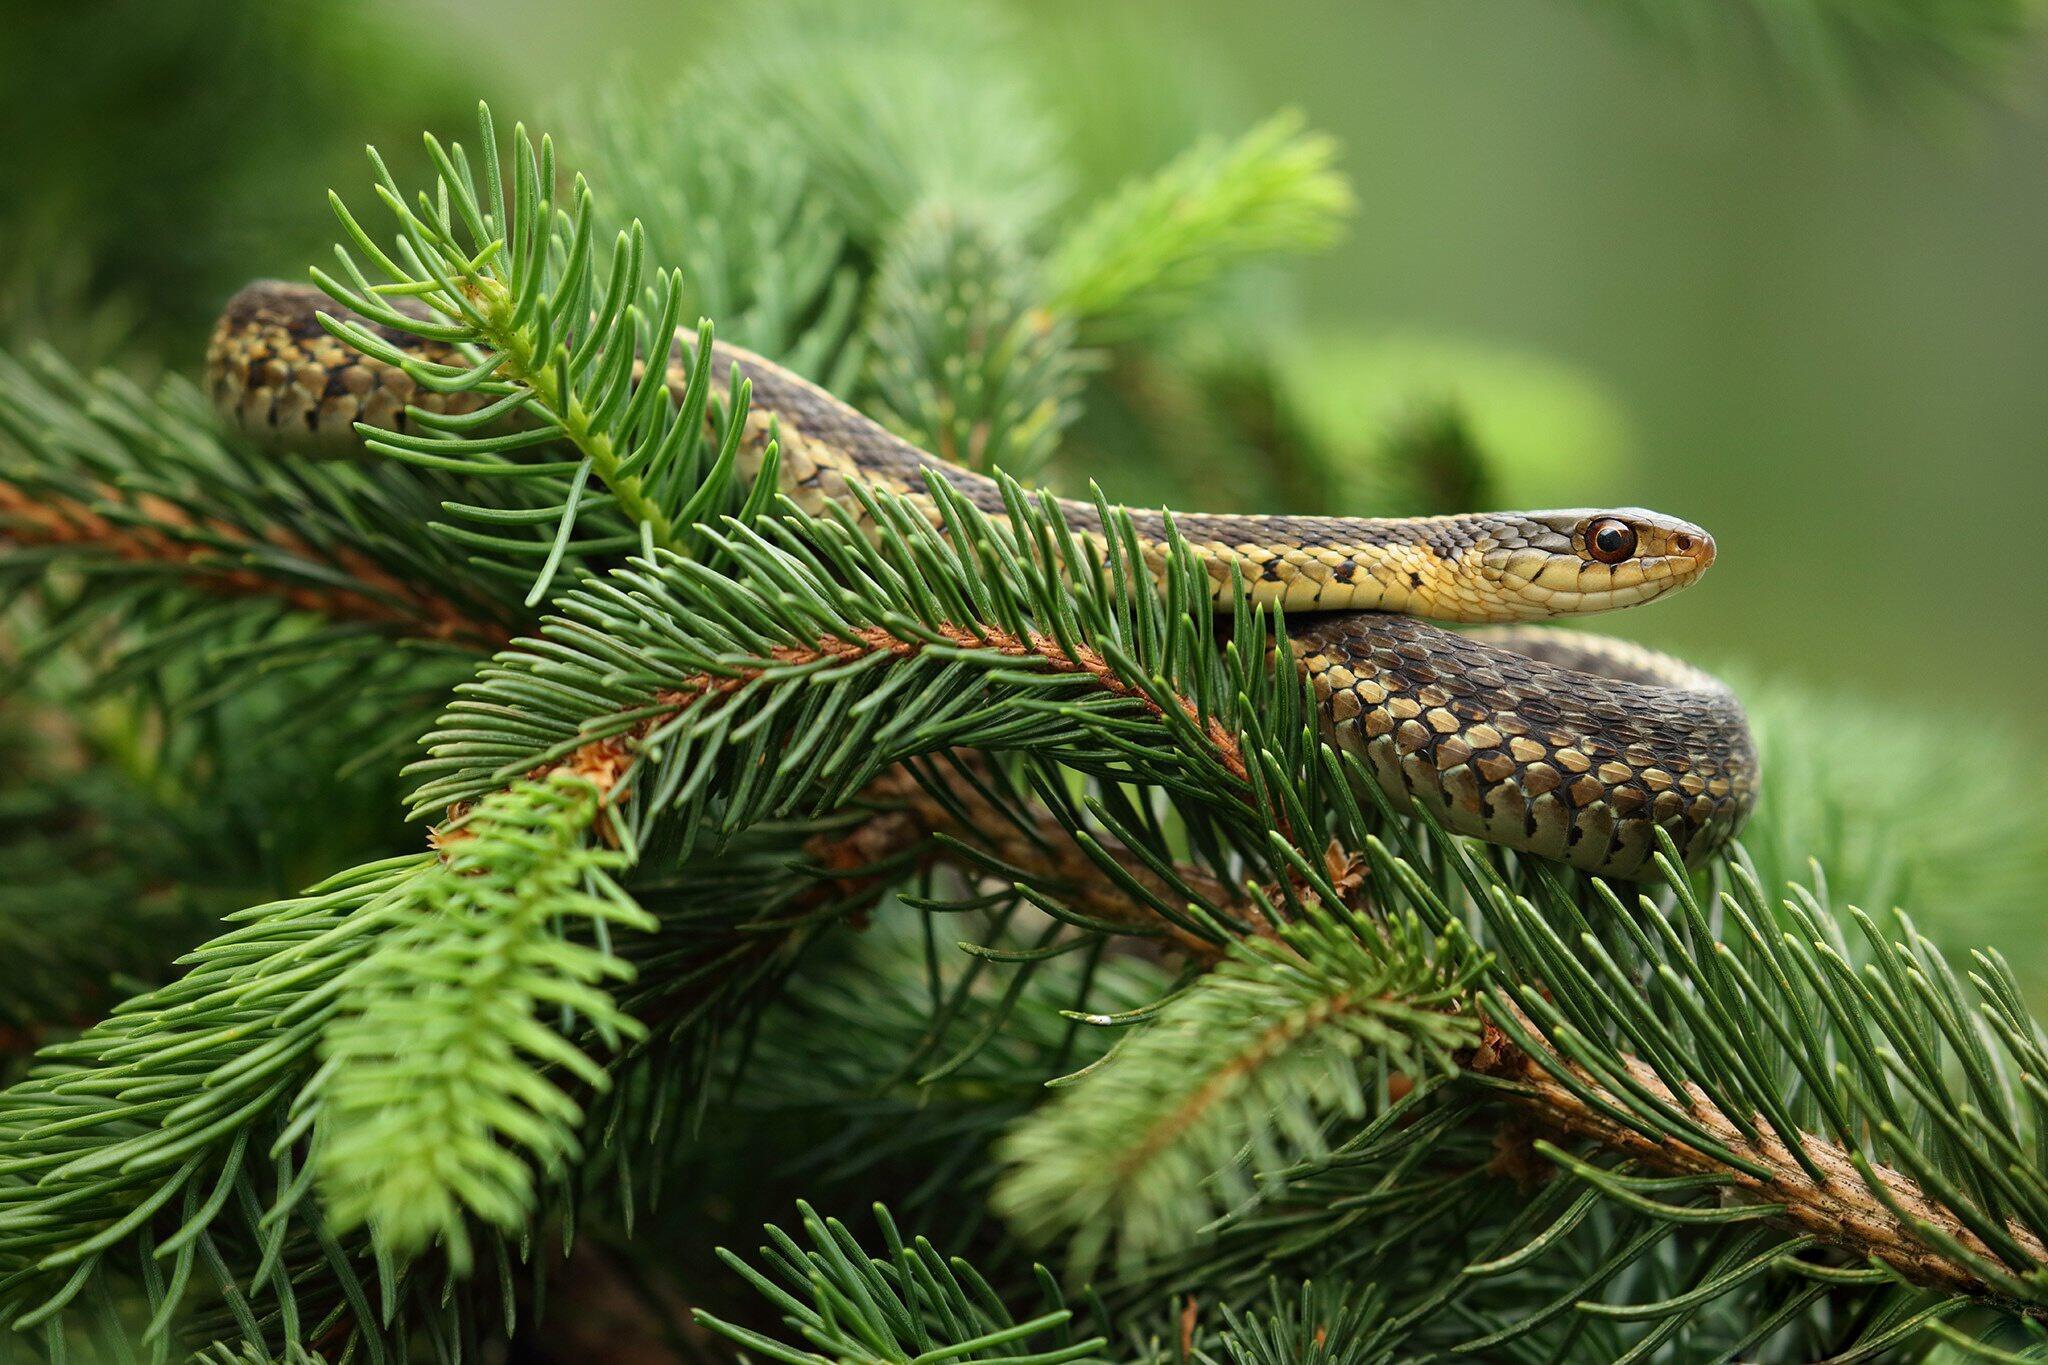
x=206 y=550
x=1840 y=1209
x=602 y=761
x=917 y=816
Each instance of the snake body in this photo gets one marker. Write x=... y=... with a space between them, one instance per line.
x=1561 y=744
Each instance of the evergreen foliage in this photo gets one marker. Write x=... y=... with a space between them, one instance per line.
x=966 y=869
x=439 y=1088
x=1883 y=48
x=911 y=1305
x=1144 y=250
x=1283 y=1034
x=992 y=384
x=1326 y=1324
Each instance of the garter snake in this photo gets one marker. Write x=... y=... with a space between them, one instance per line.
x=1561 y=744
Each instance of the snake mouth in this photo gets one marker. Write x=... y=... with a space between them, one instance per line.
x=1674 y=555
x=1692 y=547
x=1667 y=548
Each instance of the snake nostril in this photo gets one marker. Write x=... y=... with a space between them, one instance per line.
x=1681 y=543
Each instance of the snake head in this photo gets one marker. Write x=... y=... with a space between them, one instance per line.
x=1588 y=559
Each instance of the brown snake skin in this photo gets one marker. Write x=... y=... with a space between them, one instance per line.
x=1561 y=744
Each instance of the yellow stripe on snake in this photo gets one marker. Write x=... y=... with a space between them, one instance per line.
x=1556 y=743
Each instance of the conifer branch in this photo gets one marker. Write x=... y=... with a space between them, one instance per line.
x=1851 y=1219
x=866 y=645
x=1870 y=1212
x=1871 y=49
x=99 y=885
x=603 y=761
x=967 y=363
x=215 y=556
x=1237 y=1079
x=525 y=319
x=1046 y=852
x=195 y=574
x=438 y=1097
x=910 y=1304
x=929 y=803
x=648 y=682
x=1144 y=252
x=781 y=277
x=889 y=109
x=1324 y=1323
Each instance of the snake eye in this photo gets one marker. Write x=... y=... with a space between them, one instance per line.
x=1610 y=540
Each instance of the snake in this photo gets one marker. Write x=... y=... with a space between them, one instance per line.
x=1557 y=743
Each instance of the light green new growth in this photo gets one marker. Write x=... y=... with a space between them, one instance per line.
x=547 y=335
x=779 y=277
x=1236 y=1080
x=450 y=1072
x=1144 y=251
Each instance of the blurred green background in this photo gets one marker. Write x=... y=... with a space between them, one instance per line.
x=1801 y=302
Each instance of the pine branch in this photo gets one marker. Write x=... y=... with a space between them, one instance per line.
x=1865 y=48
x=437 y=1099
x=99 y=883
x=1146 y=252
x=144 y=480
x=1823 y=1192
x=672 y=675
x=203 y=1092
x=893 y=106
x=932 y=817
x=249 y=1353
x=646 y=677
x=949 y=817
x=201 y=578
x=688 y=655
x=162 y=1104
x=1939 y=1141
x=1323 y=1324
x=966 y=364
x=1236 y=1079
x=527 y=335
x=909 y=1304
x=524 y=320
x=749 y=223
x=890 y=1063
x=670 y=734
x=214 y=556
x=1939 y=1218
x=1071 y=739
x=604 y=761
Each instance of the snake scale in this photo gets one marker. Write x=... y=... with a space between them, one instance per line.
x=1561 y=744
